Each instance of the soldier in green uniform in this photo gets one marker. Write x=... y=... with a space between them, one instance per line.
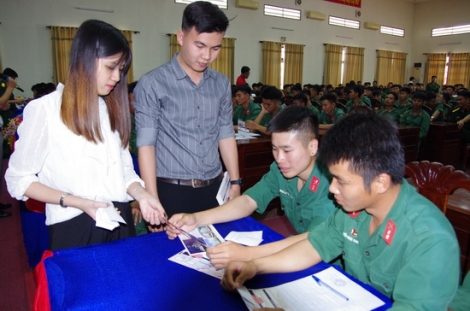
x=315 y=92
x=417 y=116
x=355 y=98
x=437 y=109
x=389 y=110
x=404 y=101
x=390 y=236
x=433 y=86
x=294 y=177
x=271 y=105
x=245 y=109
x=302 y=100
x=329 y=113
x=461 y=115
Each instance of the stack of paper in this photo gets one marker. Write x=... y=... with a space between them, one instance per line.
x=325 y=290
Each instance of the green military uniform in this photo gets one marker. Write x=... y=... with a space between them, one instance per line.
x=461 y=301
x=421 y=120
x=402 y=108
x=314 y=110
x=324 y=118
x=267 y=117
x=393 y=114
x=241 y=114
x=306 y=208
x=350 y=104
x=367 y=101
x=457 y=115
x=412 y=257
x=432 y=87
x=439 y=106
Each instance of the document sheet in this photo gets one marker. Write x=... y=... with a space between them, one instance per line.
x=325 y=290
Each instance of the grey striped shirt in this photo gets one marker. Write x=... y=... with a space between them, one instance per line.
x=184 y=121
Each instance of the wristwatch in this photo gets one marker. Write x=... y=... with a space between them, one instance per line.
x=237 y=182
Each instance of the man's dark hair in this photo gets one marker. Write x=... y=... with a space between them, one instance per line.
x=315 y=87
x=419 y=95
x=296 y=87
x=50 y=87
x=412 y=78
x=306 y=93
x=464 y=93
x=297 y=119
x=205 y=17
x=358 y=89
x=245 y=69
x=301 y=97
x=10 y=72
x=331 y=97
x=431 y=95
x=395 y=95
x=396 y=85
x=405 y=89
x=376 y=92
x=271 y=92
x=234 y=90
x=244 y=88
x=369 y=142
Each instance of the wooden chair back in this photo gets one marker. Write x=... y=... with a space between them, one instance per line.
x=436 y=181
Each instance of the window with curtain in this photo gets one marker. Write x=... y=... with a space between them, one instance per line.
x=271 y=57
x=459 y=69
x=353 y=64
x=332 y=65
x=293 y=63
x=62 y=38
x=390 y=67
x=342 y=64
x=436 y=64
x=224 y=63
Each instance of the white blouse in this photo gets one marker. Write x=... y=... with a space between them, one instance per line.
x=49 y=153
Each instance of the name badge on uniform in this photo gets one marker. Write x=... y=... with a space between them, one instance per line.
x=389 y=232
x=354 y=214
x=314 y=184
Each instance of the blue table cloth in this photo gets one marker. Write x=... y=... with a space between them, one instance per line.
x=135 y=274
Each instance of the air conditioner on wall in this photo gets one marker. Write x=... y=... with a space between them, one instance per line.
x=316 y=15
x=371 y=26
x=247 y=4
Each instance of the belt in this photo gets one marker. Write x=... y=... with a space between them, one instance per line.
x=195 y=183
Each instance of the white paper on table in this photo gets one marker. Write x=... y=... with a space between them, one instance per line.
x=248 y=238
x=333 y=291
x=224 y=190
x=108 y=218
x=199 y=264
x=245 y=135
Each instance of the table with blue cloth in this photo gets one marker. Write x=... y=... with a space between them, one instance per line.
x=135 y=274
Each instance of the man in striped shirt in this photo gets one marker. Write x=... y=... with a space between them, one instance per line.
x=184 y=116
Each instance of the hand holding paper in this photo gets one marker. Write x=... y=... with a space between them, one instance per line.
x=108 y=218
